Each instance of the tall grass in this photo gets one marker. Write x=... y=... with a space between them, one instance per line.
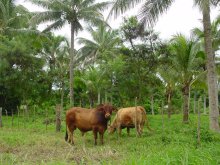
x=31 y=143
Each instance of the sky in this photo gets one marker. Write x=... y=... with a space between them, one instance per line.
x=181 y=17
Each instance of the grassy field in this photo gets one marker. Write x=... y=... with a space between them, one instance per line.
x=176 y=144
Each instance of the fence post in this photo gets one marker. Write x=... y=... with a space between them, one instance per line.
x=24 y=115
x=152 y=105
x=12 y=118
x=18 y=115
x=34 y=114
x=162 y=108
x=136 y=116
x=58 y=118
x=47 y=121
x=6 y=113
x=198 y=127
x=26 y=112
x=1 y=117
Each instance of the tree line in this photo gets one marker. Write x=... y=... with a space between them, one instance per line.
x=113 y=65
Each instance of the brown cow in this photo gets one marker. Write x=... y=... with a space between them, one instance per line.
x=87 y=120
x=126 y=117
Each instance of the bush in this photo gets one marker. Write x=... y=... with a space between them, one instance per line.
x=205 y=135
x=147 y=107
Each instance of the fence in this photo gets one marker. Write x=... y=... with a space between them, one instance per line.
x=28 y=118
x=31 y=117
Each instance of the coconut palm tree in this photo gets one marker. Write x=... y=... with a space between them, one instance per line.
x=199 y=34
x=50 y=51
x=187 y=65
x=103 y=44
x=13 y=18
x=149 y=13
x=95 y=82
x=169 y=78
x=72 y=12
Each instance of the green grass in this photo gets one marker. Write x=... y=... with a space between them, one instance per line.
x=31 y=143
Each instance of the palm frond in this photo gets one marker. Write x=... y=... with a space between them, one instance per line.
x=41 y=17
x=29 y=32
x=99 y=6
x=197 y=32
x=55 y=25
x=3 y=11
x=120 y=6
x=202 y=4
x=215 y=2
x=87 y=2
x=152 y=9
x=77 y=26
x=42 y=3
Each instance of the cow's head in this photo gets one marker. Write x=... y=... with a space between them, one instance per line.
x=107 y=109
x=111 y=129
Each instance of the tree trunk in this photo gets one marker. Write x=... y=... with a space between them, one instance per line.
x=99 y=96
x=106 y=97
x=0 y=116
x=189 y=100
x=194 y=108
x=185 y=104
x=62 y=95
x=198 y=127
x=204 y=104
x=152 y=105
x=169 y=105
x=58 y=118
x=211 y=74
x=71 y=66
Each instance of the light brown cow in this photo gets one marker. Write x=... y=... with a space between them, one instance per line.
x=129 y=117
x=88 y=120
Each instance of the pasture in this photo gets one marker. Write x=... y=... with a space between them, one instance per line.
x=175 y=143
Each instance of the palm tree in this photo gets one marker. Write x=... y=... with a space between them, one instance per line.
x=50 y=51
x=187 y=66
x=103 y=44
x=95 y=81
x=61 y=65
x=199 y=34
x=149 y=13
x=71 y=12
x=13 y=18
x=169 y=79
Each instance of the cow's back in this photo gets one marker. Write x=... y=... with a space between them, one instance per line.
x=129 y=115
x=80 y=118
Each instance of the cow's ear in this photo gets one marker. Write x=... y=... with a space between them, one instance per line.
x=100 y=107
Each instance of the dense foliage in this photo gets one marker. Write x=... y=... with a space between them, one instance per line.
x=125 y=66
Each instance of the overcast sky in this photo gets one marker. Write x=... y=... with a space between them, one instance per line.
x=180 y=18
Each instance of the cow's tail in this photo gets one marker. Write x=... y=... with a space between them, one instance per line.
x=146 y=120
x=66 y=136
x=148 y=126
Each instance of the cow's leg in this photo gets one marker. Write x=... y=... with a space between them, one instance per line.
x=101 y=135
x=119 y=129
x=139 y=129
x=128 y=131
x=95 y=136
x=70 y=134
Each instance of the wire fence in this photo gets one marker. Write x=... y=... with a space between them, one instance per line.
x=26 y=118
x=54 y=117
